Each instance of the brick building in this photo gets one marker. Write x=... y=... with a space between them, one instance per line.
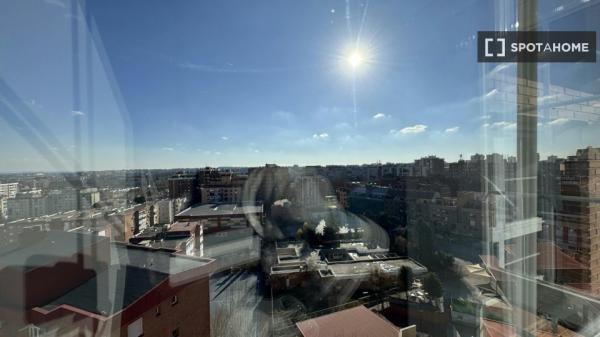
x=578 y=220
x=67 y=284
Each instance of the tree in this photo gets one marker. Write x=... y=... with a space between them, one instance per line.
x=445 y=261
x=433 y=286
x=140 y=199
x=379 y=282
x=299 y=234
x=406 y=279
x=329 y=234
x=425 y=242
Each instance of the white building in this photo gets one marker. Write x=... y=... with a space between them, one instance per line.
x=61 y=201
x=9 y=190
x=26 y=205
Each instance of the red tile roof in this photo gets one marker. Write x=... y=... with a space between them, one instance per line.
x=549 y=257
x=355 y=322
x=552 y=257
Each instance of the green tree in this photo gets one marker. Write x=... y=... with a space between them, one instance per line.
x=299 y=234
x=433 y=286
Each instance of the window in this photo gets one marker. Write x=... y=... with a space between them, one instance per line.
x=388 y=146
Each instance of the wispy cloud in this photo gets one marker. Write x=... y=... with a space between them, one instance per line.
x=413 y=129
x=558 y=122
x=78 y=113
x=379 y=115
x=166 y=148
x=321 y=136
x=225 y=138
x=501 y=125
x=491 y=93
x=453 y=129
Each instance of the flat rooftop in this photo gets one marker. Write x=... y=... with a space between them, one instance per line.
x=43 y=248
x=364 y=268
x=215 y=210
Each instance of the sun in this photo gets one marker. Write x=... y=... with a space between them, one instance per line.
x=355 y=59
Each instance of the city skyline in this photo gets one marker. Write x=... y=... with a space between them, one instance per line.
x=465 y=157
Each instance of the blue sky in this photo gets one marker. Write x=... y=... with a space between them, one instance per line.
x=194 y=83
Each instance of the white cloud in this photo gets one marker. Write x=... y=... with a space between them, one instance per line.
x=504 y=125
x=417 y=128
x=501 y=125
x=225 y=138
x=78 y=113
x=491 y=93
x=166 y=148
x=453 y=129
x=321 y=136
x=558 y=122
x=379 y=115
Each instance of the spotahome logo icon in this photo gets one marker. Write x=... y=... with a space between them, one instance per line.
x=555 y=46
x=501 y=53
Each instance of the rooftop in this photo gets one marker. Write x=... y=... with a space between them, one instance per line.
x=35 y=249
x=128 y=273
x=208 y=210
x=354 y=322
x=133 y=272
x=363 y=268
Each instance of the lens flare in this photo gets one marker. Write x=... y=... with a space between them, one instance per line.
x=355 y=59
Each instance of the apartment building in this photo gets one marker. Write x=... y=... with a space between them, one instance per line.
x=578 y=220
x=68 y=284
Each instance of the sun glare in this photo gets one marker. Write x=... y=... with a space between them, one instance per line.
x=355 y=59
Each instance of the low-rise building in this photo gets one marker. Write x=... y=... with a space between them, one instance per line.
x=219 y=217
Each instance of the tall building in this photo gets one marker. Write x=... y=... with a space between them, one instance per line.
x=9 y=190
x=309 y=194
x=183 y=186
x=220 y=187
x=429 y=166
x=578 y=221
